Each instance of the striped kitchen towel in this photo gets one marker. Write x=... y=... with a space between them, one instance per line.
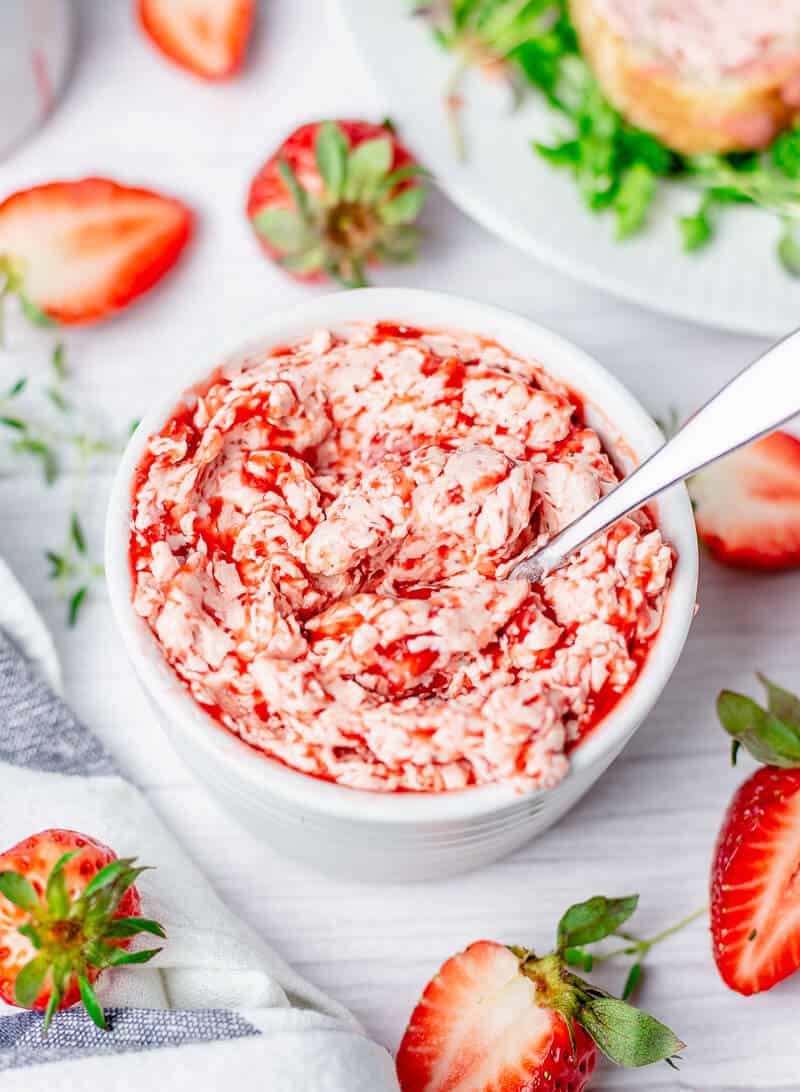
x=217 y=1008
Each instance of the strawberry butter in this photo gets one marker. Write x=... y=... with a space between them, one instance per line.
x=319 y=542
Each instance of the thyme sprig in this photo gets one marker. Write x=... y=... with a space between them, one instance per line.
x=44 y=425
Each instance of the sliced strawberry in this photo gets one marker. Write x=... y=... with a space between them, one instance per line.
x=755 y=883
x=479 y=1027
x=747 y=506
x=82 y=250
x=208 y=37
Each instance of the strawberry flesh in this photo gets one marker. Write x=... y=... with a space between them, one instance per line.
x=747 y=506
x=207 y=37
x=755 y=883
x=478 y=1028
x=90 y=247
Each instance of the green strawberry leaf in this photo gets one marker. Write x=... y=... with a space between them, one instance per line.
x=309 y=261
x=121 y=928
x=56 y=892
x=399 y=244
x=299 y=195
x=367 y=166
x=627 y=1035
x=405 y=207
x=29 y=931
x=330 y=149
x=403 y=174
x=30 y=981
x=116 y=957
x=348 y=272
x=50 y=1010
x=19 y=891
x=598 y=917
x=281 y=227
x=576 y=957
x=767 y=738
x=91 y=1004
x=781 y=703
x=110 y=874
x=632 y=981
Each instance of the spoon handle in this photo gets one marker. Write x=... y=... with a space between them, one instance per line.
x=762 y=397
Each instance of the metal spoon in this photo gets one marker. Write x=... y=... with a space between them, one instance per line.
x=760 y=399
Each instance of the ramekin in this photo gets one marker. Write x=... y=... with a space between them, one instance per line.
x=403 y=836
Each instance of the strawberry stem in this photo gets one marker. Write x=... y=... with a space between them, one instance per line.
x=454 y=105
x=641 y=946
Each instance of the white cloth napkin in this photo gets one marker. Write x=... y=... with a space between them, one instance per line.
x=217 y=1008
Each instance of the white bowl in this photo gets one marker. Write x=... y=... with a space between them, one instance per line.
x=403 y=836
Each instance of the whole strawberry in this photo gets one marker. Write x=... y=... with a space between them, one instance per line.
x=755 y=896
x=502 y=1018
x=68 y=910
x=335 y=198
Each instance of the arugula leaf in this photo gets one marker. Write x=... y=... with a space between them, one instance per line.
x=789 y=250
x=696 y=230
x=785 y=152
x=633 y=198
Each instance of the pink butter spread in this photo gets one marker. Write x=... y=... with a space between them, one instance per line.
x=319 y=541
x=709 y=39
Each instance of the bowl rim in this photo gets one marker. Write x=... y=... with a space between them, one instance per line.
x=634 y=431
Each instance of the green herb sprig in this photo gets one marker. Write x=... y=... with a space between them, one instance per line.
x=54 y=435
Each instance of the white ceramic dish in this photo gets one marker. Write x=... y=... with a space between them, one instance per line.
x=403 y=836
x=736 y=283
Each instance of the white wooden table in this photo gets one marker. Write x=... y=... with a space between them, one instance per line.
x=649 y=824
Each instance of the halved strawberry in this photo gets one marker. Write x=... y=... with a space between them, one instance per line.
x=336 y=197
x=747 y=506
x=208 y=37
x=755 y=890
x=479 y=1026
x=499 y=1019
x=82 y=250
x=755 y=874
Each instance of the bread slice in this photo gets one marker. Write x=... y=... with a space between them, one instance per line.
x=736 y=111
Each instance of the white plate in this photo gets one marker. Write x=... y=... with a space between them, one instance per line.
x=736 y=283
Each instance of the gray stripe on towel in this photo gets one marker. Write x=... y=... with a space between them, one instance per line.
x=37 y=730
x=73 y=1035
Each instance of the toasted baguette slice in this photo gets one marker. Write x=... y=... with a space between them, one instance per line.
x=736 y=113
